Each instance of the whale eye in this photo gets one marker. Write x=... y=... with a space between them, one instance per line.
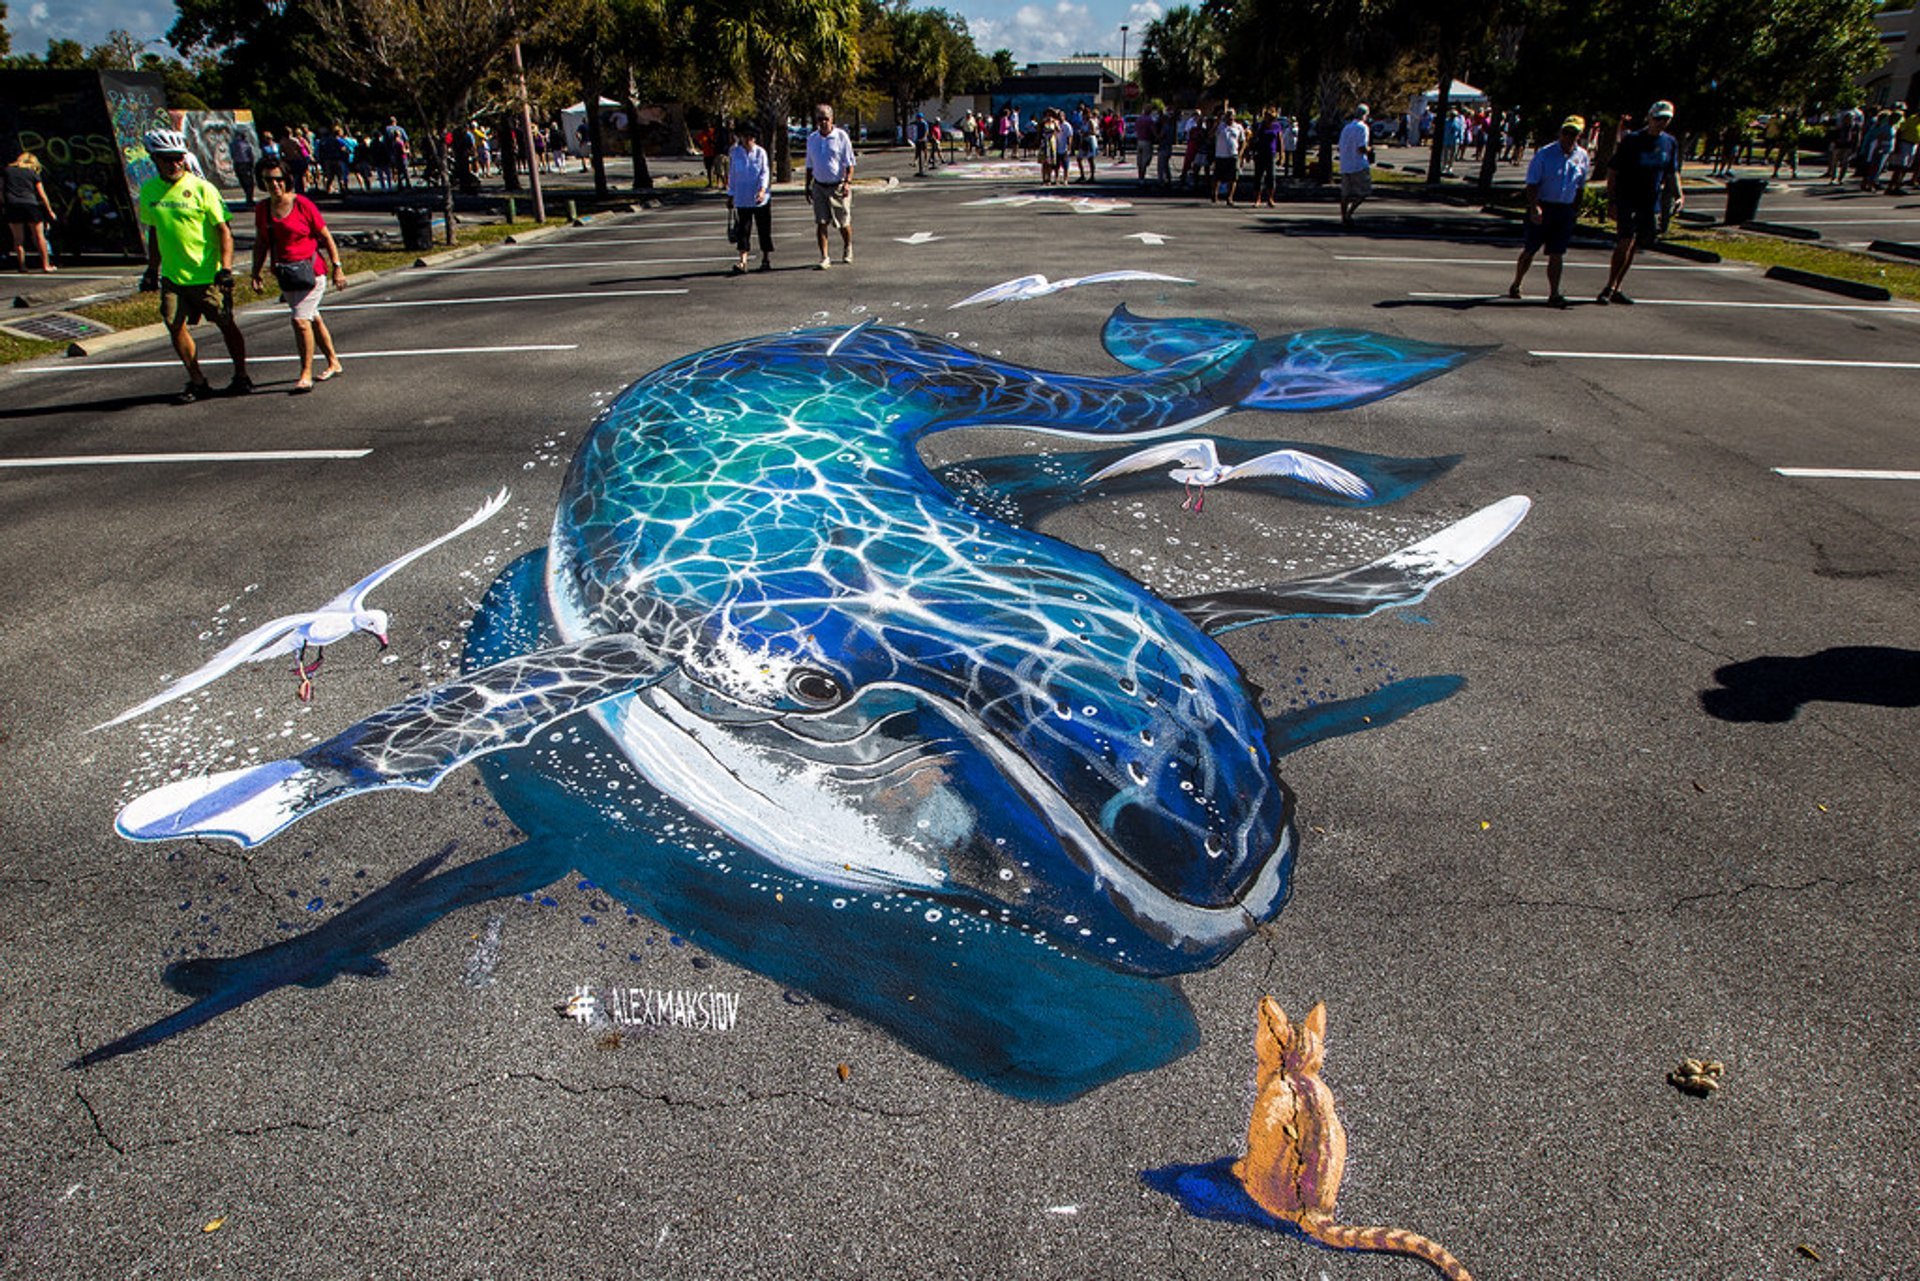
x=815 y=688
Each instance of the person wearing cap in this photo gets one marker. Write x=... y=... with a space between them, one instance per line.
x=189 y=260
x=1356 y=164
x=1555 y=179
x=1642 y=177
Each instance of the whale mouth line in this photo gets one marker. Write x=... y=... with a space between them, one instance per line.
x=1150 y=907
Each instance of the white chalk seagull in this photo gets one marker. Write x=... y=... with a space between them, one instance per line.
x=336 y=620
x=1037 y=286
x=1197 y=466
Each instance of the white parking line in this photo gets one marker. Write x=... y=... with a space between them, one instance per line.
x=468 y=302
x=260 y=360
x=258 y=456
x=568 y=266
x=1846 y=473
x=1709 y=302
x=595 y=244
x=1865 y=222
x=1508 y=262
x=1727 y=360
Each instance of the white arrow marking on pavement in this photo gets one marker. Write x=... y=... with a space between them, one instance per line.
x=1149 y=237
x=919 y=238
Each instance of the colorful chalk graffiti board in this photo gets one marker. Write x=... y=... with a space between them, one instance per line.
x=86 y=126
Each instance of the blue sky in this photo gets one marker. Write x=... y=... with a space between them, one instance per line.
x=1034 y=29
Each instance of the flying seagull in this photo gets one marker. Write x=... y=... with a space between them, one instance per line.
x=336 y=620
x=1197 y=466
x=1037 y=286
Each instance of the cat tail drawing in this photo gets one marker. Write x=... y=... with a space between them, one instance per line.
x=1343 y=1236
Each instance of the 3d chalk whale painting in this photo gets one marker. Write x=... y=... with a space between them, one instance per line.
x=775 y=685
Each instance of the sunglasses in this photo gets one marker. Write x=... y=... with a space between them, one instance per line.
x=169 y=158
x=278 y=179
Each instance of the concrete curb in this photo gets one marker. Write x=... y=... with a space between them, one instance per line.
x=1781 y=229
x=1832 y=284
x=1689 y=252
x=1895 y=249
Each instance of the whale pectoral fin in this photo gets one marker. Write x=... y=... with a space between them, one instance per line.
x=1401 y=578
x=412 y=744
x=1140 y=343
x=1341 y=368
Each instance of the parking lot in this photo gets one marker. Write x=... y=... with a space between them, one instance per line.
x=1668 y=815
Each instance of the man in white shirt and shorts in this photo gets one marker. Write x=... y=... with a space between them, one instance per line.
x=830 y=182
x=1356 y=164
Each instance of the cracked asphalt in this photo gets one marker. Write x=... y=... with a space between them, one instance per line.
x=1523 y=905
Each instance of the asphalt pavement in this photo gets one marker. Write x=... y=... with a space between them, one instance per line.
x=1671 y=813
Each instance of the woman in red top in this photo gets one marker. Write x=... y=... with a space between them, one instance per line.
x=291 y=228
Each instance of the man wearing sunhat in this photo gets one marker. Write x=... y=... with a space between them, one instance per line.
x=1555 y=180
x=190 y=260
x=1644 y=173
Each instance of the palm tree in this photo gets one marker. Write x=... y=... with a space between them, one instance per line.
x=1180 y=54
x=777 y=47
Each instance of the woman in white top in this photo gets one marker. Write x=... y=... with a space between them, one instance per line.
x=749 y=195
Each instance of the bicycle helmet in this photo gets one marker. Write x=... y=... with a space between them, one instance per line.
x=165 y=140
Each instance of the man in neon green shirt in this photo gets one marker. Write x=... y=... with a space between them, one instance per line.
x=190 y=260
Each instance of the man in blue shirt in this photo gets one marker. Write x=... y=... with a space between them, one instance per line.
x=1644 y=174
x=1555 y=180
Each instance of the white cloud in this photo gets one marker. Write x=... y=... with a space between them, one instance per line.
x=87 y=21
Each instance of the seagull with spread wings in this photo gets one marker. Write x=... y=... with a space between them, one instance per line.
x=1197 y=466
x=1037 y=286
x=336 y=620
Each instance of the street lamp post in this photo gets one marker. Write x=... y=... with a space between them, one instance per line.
x=1123 y=57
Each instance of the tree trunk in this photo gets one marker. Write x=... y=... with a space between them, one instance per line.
x=774 y=102
x=1448 y=64
x=440 y=170
x=1330 y=124
x=1302 y=120
x=642 y=177
x=1496 y=140
x=509 y=136
x=596 y=144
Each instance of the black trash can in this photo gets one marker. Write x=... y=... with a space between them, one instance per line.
x=416 y=227
x=1743 y=199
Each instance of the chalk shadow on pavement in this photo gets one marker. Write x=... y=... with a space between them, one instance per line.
x=1466 y=304
x=1773 y=688
x=108 y=406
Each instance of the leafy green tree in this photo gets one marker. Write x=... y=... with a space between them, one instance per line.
x=253 y=54
x=777 y=48
x=431 y=53
x=1180 y=54
x=1718 y=61
x=917 y=54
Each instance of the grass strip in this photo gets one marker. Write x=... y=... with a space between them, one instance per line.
x=1900 y=279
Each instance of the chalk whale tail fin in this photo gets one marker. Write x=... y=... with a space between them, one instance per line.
x=1309 y=370
x=1139 y=342
x=347 y=943
x=1340 y=368
x=413 y=744
x=1399 y=578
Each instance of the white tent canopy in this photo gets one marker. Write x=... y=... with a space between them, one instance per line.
x=1457 y=91
x=575 y=116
